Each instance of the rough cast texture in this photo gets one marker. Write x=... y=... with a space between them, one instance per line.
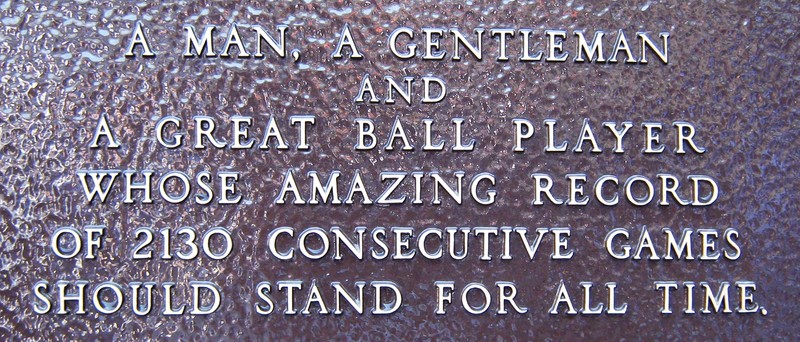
x=733 y=73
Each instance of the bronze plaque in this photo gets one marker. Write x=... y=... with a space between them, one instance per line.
x=424 y=170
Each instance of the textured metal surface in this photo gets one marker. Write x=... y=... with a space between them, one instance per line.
x=733 y=73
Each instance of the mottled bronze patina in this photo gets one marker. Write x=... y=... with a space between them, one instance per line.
x=732 y=73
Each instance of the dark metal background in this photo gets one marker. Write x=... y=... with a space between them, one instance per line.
x=733 y=73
